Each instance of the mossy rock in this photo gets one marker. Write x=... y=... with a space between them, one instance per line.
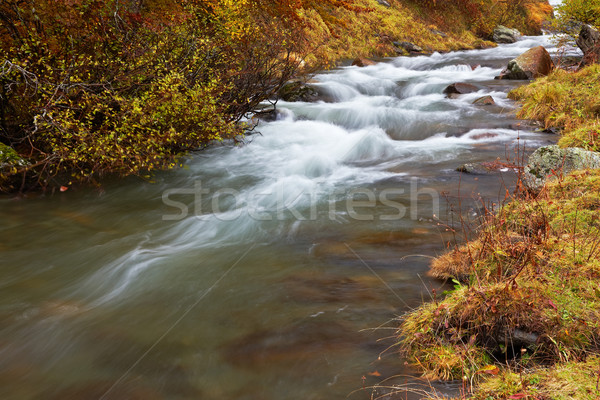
x=10 y=162
x=502 y=34
x=552 y=162
x=9 y=157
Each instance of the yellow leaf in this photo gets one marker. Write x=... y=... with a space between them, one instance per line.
x=489 y=369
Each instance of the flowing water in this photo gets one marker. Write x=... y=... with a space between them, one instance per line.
x=257 y=271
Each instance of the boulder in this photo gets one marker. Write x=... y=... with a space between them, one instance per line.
x=589 y=43
x=474 y=169
x=384 y=3
x=10 y=164
x=502 y=34
x=438 y=33
x=408 y=46
x=10 y=160
x=363 y=62
x=532 y=64
x=297 y=91
x=486 y=168
x=551 y=162
x=267 y=115
x=484 y=101
x=458 y=88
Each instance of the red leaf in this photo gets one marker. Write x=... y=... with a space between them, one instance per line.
x=552 y=304
x=518 y=396
x=64 y=188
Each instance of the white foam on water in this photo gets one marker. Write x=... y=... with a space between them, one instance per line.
x=385 y=119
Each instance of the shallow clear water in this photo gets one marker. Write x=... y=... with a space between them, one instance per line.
x=260 y=271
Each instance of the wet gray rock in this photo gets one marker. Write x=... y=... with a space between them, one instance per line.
x=589 y=43
x=267 y=115
x=363 y=62
x=408 y=46
x=384 y=3
x=458 y=88
x=534 y=63
x=502 y=34
x=569 y=63
x=550 y=162
x=484 y=101
x=298 y=91
x=438 y=33
x=474 y=169
x=485 y=168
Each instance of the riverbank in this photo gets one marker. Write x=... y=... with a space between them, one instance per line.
x=526 y=300
x=524 y=320
x=111 y=94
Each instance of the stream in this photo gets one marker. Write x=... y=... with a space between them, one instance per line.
x=273 y=270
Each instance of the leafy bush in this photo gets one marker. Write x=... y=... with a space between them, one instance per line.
x=91 y=87
x=482 y=16
x=584 y=11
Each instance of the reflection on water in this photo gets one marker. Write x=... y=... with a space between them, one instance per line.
x=256 y=272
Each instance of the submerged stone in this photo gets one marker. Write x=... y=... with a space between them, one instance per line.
x=459 y=88
x=130 y=389
x=485 y=135
x=304 y=339
x=474 y=169
x=408 y=46
x=330 y=289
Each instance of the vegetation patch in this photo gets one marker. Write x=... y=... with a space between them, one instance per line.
x=567 y=381
x=568 y=101
x=527 y=290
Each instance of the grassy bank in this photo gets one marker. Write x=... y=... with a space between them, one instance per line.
x=524 y=318
x=90 y=88
x=527 y=291
x=566 y=101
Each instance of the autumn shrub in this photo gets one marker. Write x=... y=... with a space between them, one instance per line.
x=108 y=87
x=583 y=11
x=482 y=16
